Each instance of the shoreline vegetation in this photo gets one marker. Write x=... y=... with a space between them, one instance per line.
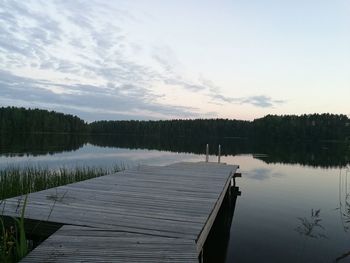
x=16 y=181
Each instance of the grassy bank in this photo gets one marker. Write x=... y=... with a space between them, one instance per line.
x=15 y=181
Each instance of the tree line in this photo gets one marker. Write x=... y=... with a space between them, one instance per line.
x=20 y=120
x=311 y=127
x=182 y=128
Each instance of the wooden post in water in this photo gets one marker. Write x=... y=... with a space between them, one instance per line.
x=219 y=153
x=207 y=153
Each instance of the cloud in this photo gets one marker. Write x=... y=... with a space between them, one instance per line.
x=108 y=102
x=26 y=34
x=219 y=97
x=184 y=84
x=261 y=101
x=119 y=86
x=169 y=63
x=214 y=93
x=166 y=58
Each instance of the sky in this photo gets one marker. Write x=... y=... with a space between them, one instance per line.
x=157 y=59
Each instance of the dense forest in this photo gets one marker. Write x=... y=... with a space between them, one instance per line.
x=312 y=127
x=183 y=128
x=21 y=120
x=309 y=127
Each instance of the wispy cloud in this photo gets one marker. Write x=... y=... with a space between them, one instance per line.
x=186 y=85
x=110 y=102
x=261 y=101
x=166 y=58
x=48 y=43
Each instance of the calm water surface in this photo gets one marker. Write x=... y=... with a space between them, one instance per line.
x=294 y=206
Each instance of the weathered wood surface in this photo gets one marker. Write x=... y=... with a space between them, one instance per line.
x=83 y=244
x=170 y=209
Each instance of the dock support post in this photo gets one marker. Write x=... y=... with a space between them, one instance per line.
x=201 y=259
x=207 y=153
x=219 y=153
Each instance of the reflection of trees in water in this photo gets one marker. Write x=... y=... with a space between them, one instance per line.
x=344 y=205
x=39 y=144
x=313 y=154
x=344 y=199
x=311 y=226
x=322 y=154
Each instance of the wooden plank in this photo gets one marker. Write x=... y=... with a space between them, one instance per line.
x=206 y=229
x=82 y=244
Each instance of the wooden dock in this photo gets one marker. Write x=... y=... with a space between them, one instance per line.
x=145 y=214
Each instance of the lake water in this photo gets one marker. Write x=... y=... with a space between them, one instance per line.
x=295 y=201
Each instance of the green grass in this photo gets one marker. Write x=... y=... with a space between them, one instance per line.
x=13 y=241
x=15 y=181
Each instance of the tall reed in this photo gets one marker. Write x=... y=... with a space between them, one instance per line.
x=13 y=241
x=16 y=181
